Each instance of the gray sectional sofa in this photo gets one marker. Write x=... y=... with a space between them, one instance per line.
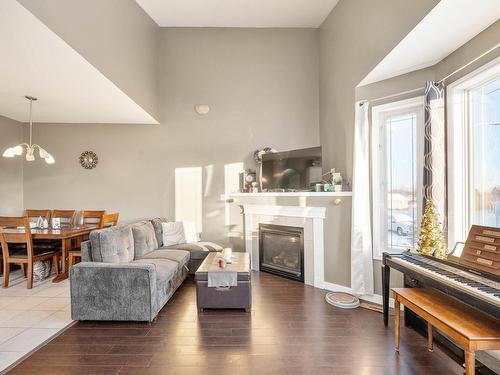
x=127 y=275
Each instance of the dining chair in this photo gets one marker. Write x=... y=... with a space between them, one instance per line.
x=25 y=256
x=68 y=217
x=110 y=220
x=89 y=217
x=35 y=214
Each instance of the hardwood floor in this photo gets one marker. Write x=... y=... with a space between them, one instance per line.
x=291 y=330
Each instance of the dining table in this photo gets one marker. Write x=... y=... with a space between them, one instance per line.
x=69 y=237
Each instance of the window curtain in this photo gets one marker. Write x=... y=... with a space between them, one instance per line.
x=434 y=177
x=361 y=236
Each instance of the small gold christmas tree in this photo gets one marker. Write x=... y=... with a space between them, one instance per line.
x=431 y=239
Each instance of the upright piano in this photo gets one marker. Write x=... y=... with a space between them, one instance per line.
x=473 y=276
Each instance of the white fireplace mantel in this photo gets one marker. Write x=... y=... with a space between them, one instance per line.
x=291 y=211
x=314 y=260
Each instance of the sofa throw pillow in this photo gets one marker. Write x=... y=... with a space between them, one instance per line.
x=158 y=229
x=190 y=233
x=179 y=232
x=173 y=233
x=144 y=239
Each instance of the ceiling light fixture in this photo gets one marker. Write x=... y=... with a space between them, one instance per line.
x=202 y=109
x=30 y=148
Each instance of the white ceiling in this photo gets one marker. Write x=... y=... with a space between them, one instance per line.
x=35 y=61
x=238 y=13
x=448 y=26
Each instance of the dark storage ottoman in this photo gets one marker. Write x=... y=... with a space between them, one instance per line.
x=236 y=297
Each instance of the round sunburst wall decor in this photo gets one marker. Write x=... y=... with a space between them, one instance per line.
x=89 y=159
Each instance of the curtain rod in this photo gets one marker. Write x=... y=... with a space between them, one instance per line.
x=441 y=80
x=397 y=94
x=471 y=62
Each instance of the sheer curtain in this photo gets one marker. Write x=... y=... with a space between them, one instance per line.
x=361 y=232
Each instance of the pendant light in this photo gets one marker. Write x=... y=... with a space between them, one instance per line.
x=30 y=148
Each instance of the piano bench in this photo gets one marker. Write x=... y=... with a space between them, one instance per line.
x=470 y=328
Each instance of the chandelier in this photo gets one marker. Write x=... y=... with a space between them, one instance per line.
x=30 y=148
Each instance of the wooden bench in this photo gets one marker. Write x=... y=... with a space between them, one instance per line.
x=470 y=328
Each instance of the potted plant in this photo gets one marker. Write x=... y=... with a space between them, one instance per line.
x=337 y=181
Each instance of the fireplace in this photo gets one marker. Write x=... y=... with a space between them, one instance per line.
x=281 y=250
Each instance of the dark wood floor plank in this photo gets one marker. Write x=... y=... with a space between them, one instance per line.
x=290 y=330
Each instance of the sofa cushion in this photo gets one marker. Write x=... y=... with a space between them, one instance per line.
x=179 y=256
x=144 y=238
x=112 y=245
x=165 y=268
x=198 y=250
x=158 y=229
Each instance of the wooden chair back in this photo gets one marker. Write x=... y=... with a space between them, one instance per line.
x=35 y=214
x=92 y=217
x=26 y=261
x=23 y=237
x=110 y=220
x=68 y=217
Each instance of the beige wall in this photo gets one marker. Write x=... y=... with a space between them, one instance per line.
x=11 y=170
x=262 y=86
x=353 y=40
x=116 y=36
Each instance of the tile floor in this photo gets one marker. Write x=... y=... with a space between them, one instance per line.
x=28 y=318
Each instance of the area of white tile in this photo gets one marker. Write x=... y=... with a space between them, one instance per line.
x=8 y=333
x=30 y=317
x=52 y=304
x=26 y=319
x=28 y=339
x=59 y=319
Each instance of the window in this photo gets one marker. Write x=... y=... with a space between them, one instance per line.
x=474 y=151
x=396 y=174
x=486 y=154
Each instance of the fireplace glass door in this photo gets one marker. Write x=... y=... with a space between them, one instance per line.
x=281 y=250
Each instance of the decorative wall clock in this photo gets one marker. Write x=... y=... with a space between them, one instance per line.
x=89 y=159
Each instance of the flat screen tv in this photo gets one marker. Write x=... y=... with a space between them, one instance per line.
x=296 y=170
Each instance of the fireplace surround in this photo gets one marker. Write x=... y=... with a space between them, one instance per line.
x=281 y=250
x=310 y=218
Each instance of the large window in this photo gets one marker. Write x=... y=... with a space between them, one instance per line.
x=474 y=151
x=486 y=153
x=396 y=174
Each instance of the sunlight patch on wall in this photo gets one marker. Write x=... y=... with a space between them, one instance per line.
x=209 y=175
x=232 y=185
x=188 y=195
